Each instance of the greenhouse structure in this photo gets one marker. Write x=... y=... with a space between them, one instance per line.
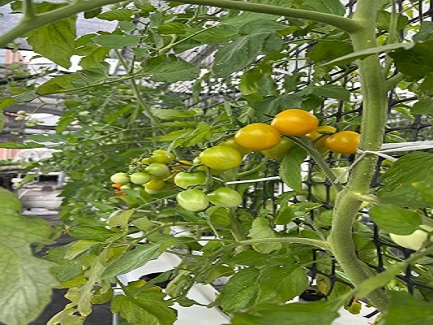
x=215 y=162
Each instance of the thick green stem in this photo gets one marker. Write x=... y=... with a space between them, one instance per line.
x=372 y=131
x=345 y=24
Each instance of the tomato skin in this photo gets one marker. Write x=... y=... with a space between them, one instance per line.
x=154 y=186
x=221 y=157
x=344 y=142
x=192 y=200
x=120 y=178
x=257 y=136
x=225 y=197
x=185 y=179
x=157 y=169
x=415 y=240
x=319 y=135
x=161 y=156
x=140 y=178
x=283 y=147
x=231 y=142
x=295 y=122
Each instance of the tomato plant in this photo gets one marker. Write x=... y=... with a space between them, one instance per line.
x=295 y=122
x=167 y=84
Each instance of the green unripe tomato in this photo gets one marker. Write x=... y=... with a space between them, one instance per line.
x=225 y=197
x=192 y=200
x=140 y=178
x=283 y=147
x=185 y=179
x=415 y=240
x=157 y=169
x=161 y=156
x=319 y=190
x=221 y=157
x=120 y=178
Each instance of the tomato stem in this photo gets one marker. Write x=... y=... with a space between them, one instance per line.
x=372 y=132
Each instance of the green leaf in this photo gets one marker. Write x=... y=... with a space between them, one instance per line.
x=379 y=281
x=59 y=84
x=5 y=102
x=425 y=188
x=202 y=132
x=270 y=106
x=120 y=219
x=218 y=35
x=240 y=291
x=27 y=145
x=325 y=50
x=243 y=50
x=115 y=41
x=92 y=233
x=394 y=219
x=173 y=114
x=406 y=309
x=317 y=313
x=133 y=259
x=425 y=32
x=327 y=6
x=55 y=41
x=170 y=69
x=327 y=91
x=172 y=28
x=25 y=281
x=423 y=106
x=281 y=284
x=118 y=14
x=415 y=61
x=261 y=229
x=148 y=307
x=398 y=180
x=290 y=169
x=365 y=53
x=66 y=119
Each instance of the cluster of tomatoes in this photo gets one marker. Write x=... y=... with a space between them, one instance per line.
x=194 y=179
x=162 y=170
x=296 y=122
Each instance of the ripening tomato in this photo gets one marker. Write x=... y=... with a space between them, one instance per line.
x=161 y=156
x=345 y=142
x=157 y=169
x=140 y=178
x=185 y=179
x=120 y=178
x=257 y=136
x=117 y=186
x=295 y=122
x=221 y=157
x=225 y=197
x=320 y=135
x=231 y=142
x=154 y=186
x=279 y=150
x=192 y=200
